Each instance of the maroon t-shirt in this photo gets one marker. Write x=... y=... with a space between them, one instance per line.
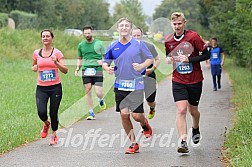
x=190 y=44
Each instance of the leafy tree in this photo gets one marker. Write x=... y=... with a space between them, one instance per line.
x=64 y=13
x=241 y=25
x=216 y=16
x=204 y=10
x=48 y=15
x=189 y=8
x=8 y=5
x=131 y=9
x=77 y=13
x=30 y=6
x=99 y=19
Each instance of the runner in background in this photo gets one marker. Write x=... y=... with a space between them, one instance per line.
x=150 y=76
x=91 y=51
x=217 y=61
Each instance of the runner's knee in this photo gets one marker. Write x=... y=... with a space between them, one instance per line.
x=181 y=111
x=194 y=112
x=42 y=114
x=88 y=90
x=125 y=115
x=137 y=116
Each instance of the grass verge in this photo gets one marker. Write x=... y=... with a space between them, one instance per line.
x=238 y=144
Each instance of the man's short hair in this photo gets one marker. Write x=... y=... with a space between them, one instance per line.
x=139 y=28
x=214 y=38
x=87 y=27
x=175 y=15
x=124 y=19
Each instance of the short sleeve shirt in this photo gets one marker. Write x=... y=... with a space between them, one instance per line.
x=91 y=52
x=191 y=44
x=216 y=57
x=123 y=55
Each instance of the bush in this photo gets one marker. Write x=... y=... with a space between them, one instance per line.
x=24 y=20
x=3 y=20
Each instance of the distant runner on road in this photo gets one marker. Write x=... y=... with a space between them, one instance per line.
x=90 y=52
x=217 y=62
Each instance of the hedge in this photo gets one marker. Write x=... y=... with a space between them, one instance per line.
x=3 y=20
x=24 y=20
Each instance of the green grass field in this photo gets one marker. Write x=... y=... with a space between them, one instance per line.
x=19 y=121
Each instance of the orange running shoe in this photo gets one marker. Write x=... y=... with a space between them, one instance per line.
x=53 y=140
x=147 y=130
x=44 y=131
x=134 y=148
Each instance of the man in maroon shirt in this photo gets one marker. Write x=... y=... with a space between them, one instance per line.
x=182 y=50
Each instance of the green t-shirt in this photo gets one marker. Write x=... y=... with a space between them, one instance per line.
x=90 y=53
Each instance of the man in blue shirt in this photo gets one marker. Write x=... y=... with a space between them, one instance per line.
x=131 y=57
x=217 y=62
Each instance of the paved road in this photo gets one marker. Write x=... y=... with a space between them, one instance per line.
x=102 y=142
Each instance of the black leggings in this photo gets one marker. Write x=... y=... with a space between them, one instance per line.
x=43 y=93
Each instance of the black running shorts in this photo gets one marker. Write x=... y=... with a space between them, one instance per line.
x=190 y=92
x=96 y=80
x=150 y=89
x=133 y=100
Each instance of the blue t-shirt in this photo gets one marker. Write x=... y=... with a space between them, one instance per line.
x=216 y=57
x=123 y=55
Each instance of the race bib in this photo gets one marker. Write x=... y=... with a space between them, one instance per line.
x=90 y=72
x=184 y=68
x=127 y=85
x=48 y=75
x=215 y=56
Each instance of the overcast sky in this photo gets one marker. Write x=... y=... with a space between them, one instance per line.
x=148 y=5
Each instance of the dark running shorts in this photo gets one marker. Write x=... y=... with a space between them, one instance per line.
x=132 y=100
x=96 y=80
x=150 y=89
x=189 y=92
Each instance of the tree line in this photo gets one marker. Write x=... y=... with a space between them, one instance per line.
x=229 y=21
x=76 y=13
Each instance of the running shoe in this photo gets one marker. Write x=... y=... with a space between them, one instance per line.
x=147 y=131
x=103 y=105
x=134 y=148
x=44 y=131
x=183 y=148
x=195 y=135
x=151 y=114
x=53 y=140
x=91 y=116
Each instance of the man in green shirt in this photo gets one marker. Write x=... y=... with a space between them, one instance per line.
x=90 y=53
